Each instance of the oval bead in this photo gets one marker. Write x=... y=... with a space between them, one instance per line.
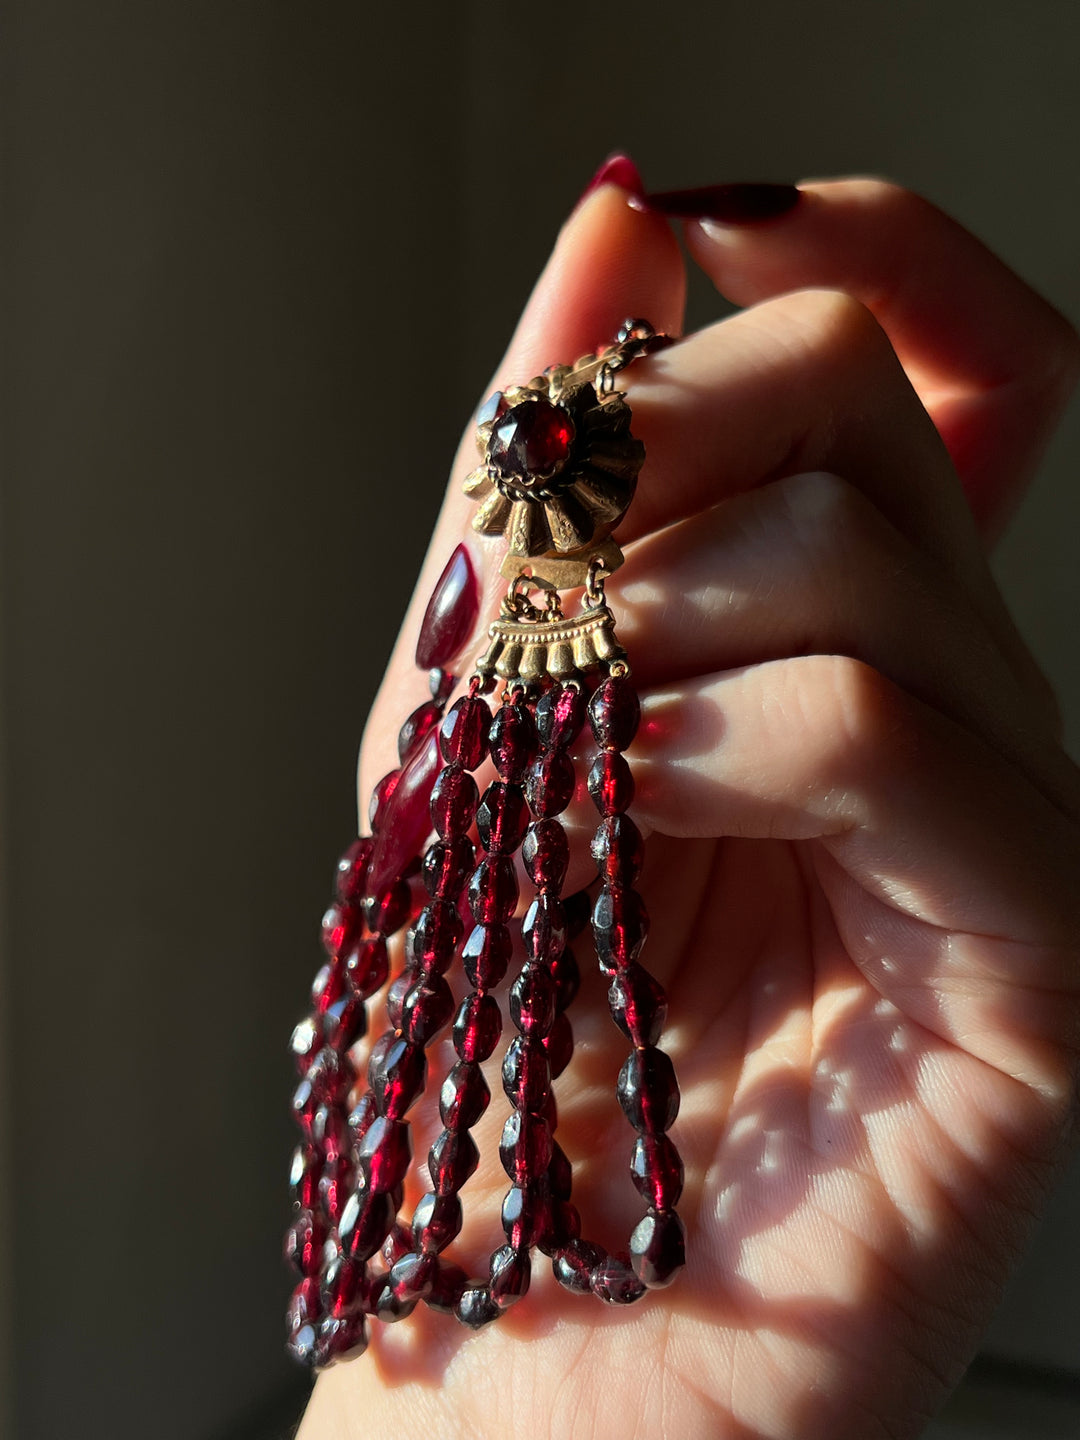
x=447 y=865
x=502 y=817
x=437 y=1221
x=387 y=911
x=304 y=1241
x=417 y=728
x=486 y=955
x=656 y=1169
x=526 y=1215
x=513 y=742
x=476 y=1307
x=447 y=1288
x=618 y=850
x=426 y=1009
x=549 y=785
x=610 y=783
x=526 y=1074
x=511 y=1272
x=477 y=1027
x=574 y=1263
x=384 y=1153
x=404 y=820
x=544 y=928
x=453 y=802
x=560 y=714
x=341 y=925
x=567 y=976
x=396 y=1075
x=614 y=713
x=463 y=734
x=532 y=1000
x=648 y=1090
x=451 y=1160
x=368 y=965
x=658 y=1249
x=336 y=1184
x=615 y=1283
x=340 y=1338
x=545 y=853
x=493 y=890
x=638 y=1005
x=435 y=937
x=352 y=871
x=464 y=1096
x=559 y=1044
x=525 y=1148
x=365 y=1223
x=620 y=927
x=451 y=614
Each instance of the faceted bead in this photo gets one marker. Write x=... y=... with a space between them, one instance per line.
x=453 y=802
x=648 y=1091
x=511 y=1272
x=493 y=890
x=464 y=1096
x=486 y=955
x=331 y=1076
x=447 y=1287
x=532 y=1000
x=381 y=797
x=396 y=1075
x=526 y=1215
x=395 y=996
x=436 y=1221
x=513 y=742
x=451 y=614
x=477 y=1027
x=341 y=1285
x=620 y=927
x=525 y=1147
x=451 y=1160
x=658 y=1248
x=618 y=850
x=365 y=1223
x=426 y=1009
x=463 y=735
x=578 y=909
x=549 y=785
x=368 y=965
x=560 y=714
x=544 y=928
x=365 y=1110
x=387 y=910
x=574 y=1263
x=302 y=1344
x=530 y=442
x=410 y=1277
x=417 y=728
x=336 y=1184
x=390 y=1307
x=546 y=853
x=330 y=1130
x=329 y=984
x=304 y=1043
x=340 y=1338
x=304 y=1172
x=305 y=1303
x=526 y=1074
x=340 y=926
x=614 y=713
x=396 y=1244
x=565 y=1226
x=476 y=1307
x=567 y=976
x=435 y=937
x=656 y=1169
x=638 y=1005
x=610 y=783
x=345 y=1022
x=559 y=1044
x=304 y=1241
x=447 y=866
x=614 y=1282
x=384 y=1153
x=352 y=869
x=406 y=820
x=502 y=817
x=560 y=1173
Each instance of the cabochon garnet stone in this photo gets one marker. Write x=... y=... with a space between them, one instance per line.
x=531 y=441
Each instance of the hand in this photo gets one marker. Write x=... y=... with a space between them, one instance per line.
x=862 y=871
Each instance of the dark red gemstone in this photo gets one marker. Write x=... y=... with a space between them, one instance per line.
x=526 y=1074
x=638 y=1005
x=526 y=1215
x=567 y=978
x=451 y=1160
x=365 y=1110
x=544 y=928
x=477 y=1027
x=387 y=910
x=416 y=728
x=340 y=927
x=658 y=1249
x=342 y=1285
x=560 y=1174
x=304 y=1241
x=304 y=1172
x=396 y=1244
x=365 y=1223
x=368 y=965
x=340 y=1339
x=426 y=1009
x=352 y=869
x=463 y=735
x=476 y=1307
x=384 y=1153
x=549 y=785
x=381 y=797
x=614 y=1282
x=501 y=818
x=447 y=1288
x=559 y=1044
x=396 y=1075
x=305 y=1304
x=610 y=783
x=395 y=996
x=331 y=1076
x=618 y=850
x=565 y=1226
x=525 y=1148
x=574 y=1263
x=614 y=713
x=532 y=1000
x=493 y=890
x=451 y=614
x=436 y=1221
x=560 y=714
x=464 y=1096
x=329 y=984
x=330 y=1130
x=336 y=1184
x=546 y=853
x=620 y=927
x=656 y=1169
x=447 y=866
x=411 y=1276
x=305 y=1041
x=648 y=1091
x=435 y=937
x=531 y=442
x=513 y=742
x=405 y=822
x=345 y=1022
x=486 y=955
x=303 y=1342
x=511 y=1272
x=453 y=802
x=390 y=1307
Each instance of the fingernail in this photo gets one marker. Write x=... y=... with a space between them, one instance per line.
x=617 y=169
x=731 y=204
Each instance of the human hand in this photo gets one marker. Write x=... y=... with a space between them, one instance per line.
x=862 y=871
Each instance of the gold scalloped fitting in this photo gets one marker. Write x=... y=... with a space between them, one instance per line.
x=531 y=650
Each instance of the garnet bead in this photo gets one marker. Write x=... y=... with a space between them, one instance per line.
x=340 y=926
x=526 y=1073
x=530 y=443
x=464 y=1096
x=352 y=871
x=610 y=783
x=387 y=911
x=511 y=1272
x=618 y=849
x=304 y=1044
x=304 y=1172
x=436 y=1221
x=544 y=928
x=345 y=1021
x=447 y=1288
x=384 y=1153
x=546 y=854
x=416 y=728
x=486 y=955
x=426 y=1009
x=549 y=785
x=638 y=1005
x=453 y=802
x=658 y=1248
x=559 y=1044
x=477 y=1027
x=525 y=1148
x=340 y=1338
x=304 y=1242
x=532 y=1000
x=396 y=1075
x=526 y=1215
x=656 y=1169
x=513 y=742
x=614 y=1282
x=341 y=1285
x=395 y=996
x=447 y=865
x=410 y=1277
x=451 y=614
x=614 y=713
x=574 y=1263
x=560 y=1174
x=397 y=1244
x=648 y=1091
x=435 y=937
x=476 y=1307
x=405 y=822
x=501 y=818
x=302 y=1343
x=451 y=1160
x=567 y=978
x=368 y=965
x=365 y=1223
x=493 y=890
x=335 y=1186
x=560 y=714
x=620 y=927
x=463 y=735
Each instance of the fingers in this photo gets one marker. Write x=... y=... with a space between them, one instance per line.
x=990 y=358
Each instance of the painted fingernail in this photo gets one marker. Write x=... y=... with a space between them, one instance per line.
x=617 y=169
x=731 y=204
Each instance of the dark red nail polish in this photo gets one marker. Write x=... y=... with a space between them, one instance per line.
x=451 y=613
x=732 y=204
x=617 y=169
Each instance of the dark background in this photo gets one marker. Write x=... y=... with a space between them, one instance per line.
x=258 y=260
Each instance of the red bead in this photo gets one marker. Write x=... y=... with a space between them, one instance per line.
x=447 y=865
x=304 y=1172
x=330 y=1130
x=302 y=1344
x=453 y=802
x=365 y=1110
x=381 y=797
x=463 y=735
x=476 y=1307
x=525 y=1148
x=560 y=1174
x=526 y=1074
x=336 y=1184
x=559 y=1044
x=387 y=910
x=435 y=937
x=384 y=1153
x=574 y=1263
x=342 y=1286
x=544 y=928
x=656 y=1169
x=340 y=1339
x=352 y=869
x=549 y=785
x=648 y=1091
x=532 y=1000
x=513 y=742
x=331 y=1077
x=614 y=1282
x=618 y=849
x=328 y=986
x=610 y=783
x=368 y=965
x=486 y=955
x=451 y=614
x=560 y=714
x=464 y=1096
x=565 y=1226
x=405 y=821
x=477 y=1027
x=638 y=1005
x=493 y=890
x=426 y=1009
x=511 y=1272
x=395 y=996
x=502 y=817
x=365 y=1223
x=390 y=1307
x=451 y=1160
x=658 y=1249
x=567 y=979
x=546 y=853
x=411 y=1276
x=441 y=684
x=305 y=1303
x=396 y=1075
x=526 y=1215
x=345 y=1022
x=620 y=927
x=416 y=728
x=305 y=1042
x=340 y=927
x=447 y=1288
x=304 y=1241
x=614 y=713
x=530 y=443
x=436 y=1222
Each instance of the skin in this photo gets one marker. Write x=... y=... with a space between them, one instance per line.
x=864 y=848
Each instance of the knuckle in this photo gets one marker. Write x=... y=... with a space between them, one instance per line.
x=824 y=508
x=866 y=714
x=845 y=333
